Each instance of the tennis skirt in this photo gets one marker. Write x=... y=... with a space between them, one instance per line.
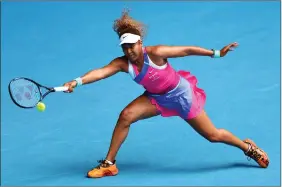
x=186 y=100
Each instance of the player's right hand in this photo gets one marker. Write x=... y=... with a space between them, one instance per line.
x=71 y=85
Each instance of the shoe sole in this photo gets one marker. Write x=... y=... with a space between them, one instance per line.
x=107 y=174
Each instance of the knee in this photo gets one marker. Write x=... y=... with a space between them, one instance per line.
x=216 y=136
x=126 y=117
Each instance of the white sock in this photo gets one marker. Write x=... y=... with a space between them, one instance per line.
x=109 y=162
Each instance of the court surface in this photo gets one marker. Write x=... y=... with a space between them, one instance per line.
x=54 y=42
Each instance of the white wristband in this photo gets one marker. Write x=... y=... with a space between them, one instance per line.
x=79 y=81
x=216 y=54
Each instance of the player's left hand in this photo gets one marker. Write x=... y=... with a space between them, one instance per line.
x=228 y=48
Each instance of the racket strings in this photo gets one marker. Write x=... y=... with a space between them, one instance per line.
x=25 y=92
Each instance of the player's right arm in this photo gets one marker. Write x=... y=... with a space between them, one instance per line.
x=115 y=66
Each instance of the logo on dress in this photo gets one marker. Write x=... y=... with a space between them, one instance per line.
x=154 y=76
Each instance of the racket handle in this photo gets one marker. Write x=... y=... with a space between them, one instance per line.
x=60 y=89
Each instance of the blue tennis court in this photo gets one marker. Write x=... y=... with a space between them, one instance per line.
x=55 y=42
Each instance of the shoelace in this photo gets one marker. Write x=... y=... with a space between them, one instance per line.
x=102 y=164
x=253 y=153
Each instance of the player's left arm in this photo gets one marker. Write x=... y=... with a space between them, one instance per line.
x=165 y=51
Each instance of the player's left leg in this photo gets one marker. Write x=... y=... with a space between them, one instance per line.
x=204 y=126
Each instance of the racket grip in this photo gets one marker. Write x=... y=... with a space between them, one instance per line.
x=60 y=89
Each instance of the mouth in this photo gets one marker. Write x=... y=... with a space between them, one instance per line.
x=131 y=55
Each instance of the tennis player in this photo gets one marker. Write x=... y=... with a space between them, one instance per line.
x=167 y=92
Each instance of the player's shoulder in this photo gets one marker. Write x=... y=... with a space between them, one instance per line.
x=153 y=52
x=153 y=49
x=122 y=62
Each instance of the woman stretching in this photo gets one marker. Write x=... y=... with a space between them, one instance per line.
x=167 y=92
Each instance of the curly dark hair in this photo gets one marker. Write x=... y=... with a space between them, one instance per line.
x=126 y=24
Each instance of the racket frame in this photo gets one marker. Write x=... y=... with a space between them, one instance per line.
x=42 y=96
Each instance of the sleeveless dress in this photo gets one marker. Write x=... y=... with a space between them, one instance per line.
x=174 y=93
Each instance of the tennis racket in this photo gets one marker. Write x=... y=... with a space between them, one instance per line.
x=26 y=93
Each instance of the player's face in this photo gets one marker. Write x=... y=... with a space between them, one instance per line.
x=132 y=51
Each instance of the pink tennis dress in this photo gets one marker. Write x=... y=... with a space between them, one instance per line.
x=174 y=93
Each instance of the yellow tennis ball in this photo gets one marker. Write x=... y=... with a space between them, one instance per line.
x=40 y=106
